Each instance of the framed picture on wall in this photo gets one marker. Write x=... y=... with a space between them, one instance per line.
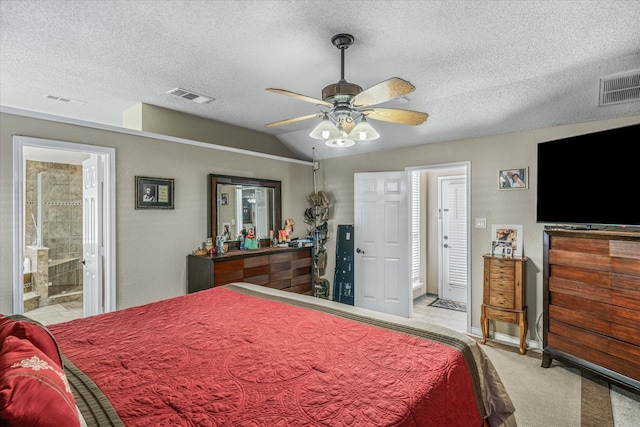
x=507 y=236
x=513 y=179
x=154 y=193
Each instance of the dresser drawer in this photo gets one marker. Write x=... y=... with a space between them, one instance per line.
x=256 y=261
x=501 y=285
x=502 y=269
x=503 y=316
x=502 y=299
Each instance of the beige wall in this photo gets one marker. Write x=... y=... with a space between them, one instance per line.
x=152 y=245
x=486 y=155
x=154 y=119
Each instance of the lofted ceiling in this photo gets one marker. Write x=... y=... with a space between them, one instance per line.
x=479 y=67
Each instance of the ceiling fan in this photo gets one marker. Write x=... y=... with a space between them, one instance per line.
x=349 y=106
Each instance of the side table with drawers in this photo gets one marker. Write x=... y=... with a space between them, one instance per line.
x=504 y=294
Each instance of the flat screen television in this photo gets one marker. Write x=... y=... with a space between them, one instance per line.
x=590 y=180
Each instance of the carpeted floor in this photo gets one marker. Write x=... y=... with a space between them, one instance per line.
x=549 y=397
x=558 y=396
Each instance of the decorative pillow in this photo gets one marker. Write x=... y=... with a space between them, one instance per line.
x=33 y=390
x=39 y=336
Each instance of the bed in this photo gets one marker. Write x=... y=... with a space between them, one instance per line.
x=247 y=355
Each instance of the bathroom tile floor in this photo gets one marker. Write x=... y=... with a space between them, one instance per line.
x=56 y=313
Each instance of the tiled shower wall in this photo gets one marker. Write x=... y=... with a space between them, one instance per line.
x=62 y=207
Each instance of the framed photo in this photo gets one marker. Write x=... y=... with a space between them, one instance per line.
x=513 y=179
x=507 y=236
x=154 y=193
x=226 y=230
x=501 y=247
x=224 y=198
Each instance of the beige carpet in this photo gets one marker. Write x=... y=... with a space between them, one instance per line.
x=556 y=396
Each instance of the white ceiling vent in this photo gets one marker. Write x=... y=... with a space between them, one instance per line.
x=65 y=100
x=620 y=88
x=191 y=96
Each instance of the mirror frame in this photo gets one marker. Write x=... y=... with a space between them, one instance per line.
x=212 y=205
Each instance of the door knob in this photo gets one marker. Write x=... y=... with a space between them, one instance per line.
x=360 y=251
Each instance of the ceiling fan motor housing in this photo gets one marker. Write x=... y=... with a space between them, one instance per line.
x=340 y=92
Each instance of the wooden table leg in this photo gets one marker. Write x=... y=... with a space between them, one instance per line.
x=523 y=331
x=484 y=324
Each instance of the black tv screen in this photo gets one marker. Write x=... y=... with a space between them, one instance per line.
x=590 y=180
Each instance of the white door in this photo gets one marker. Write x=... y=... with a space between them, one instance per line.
x=453 y=238
x=381 y=238
x=92 y=235
x=261 y=225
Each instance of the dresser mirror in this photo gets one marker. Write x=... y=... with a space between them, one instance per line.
x=238 y=203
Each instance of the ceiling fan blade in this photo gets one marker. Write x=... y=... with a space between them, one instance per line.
x=392 y=115
x=295 y=119
x=383 y=91
x=300 y=97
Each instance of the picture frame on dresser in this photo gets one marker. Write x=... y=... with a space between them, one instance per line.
x=501 y=234
x=501 y=247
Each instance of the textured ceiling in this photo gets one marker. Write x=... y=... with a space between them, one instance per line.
x=480 y=67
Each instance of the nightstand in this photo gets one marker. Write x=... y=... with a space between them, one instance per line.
x=504 y=295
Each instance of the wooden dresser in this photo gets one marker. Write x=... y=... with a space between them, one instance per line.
x=592 y=302
x=504 y=295
x=288 y=269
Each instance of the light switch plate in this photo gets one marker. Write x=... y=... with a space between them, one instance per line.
x=481 y=222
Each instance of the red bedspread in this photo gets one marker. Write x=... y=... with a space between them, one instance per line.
x=219 y=357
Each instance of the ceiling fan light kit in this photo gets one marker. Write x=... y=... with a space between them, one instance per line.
x=340 y=142
x=325 y=129
x=346 y=122
x=363 y=131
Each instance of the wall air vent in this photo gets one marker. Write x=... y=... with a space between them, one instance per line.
x=620 y=88
x=191 y=96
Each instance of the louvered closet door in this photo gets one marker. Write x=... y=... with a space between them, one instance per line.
x=453 y=285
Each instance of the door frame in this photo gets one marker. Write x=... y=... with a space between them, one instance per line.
x=109 y=213
x=467 y=167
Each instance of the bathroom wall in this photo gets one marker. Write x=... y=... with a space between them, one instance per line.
x=61 y=207
x=55 y=189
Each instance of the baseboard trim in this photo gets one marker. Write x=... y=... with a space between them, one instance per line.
x=508 y=339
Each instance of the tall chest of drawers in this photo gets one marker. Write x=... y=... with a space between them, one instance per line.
x=504 y=295
x=592 y=302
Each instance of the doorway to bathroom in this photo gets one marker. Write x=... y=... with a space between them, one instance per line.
x=64 y=222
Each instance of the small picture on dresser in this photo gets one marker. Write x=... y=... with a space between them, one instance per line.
x=506 y=235
x=501 y=247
